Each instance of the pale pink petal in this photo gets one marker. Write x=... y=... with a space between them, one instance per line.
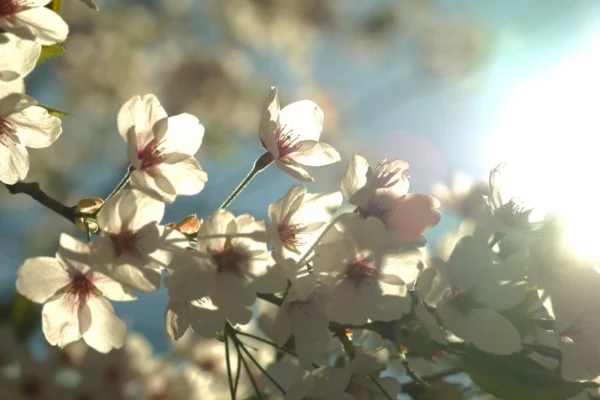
x=354 y=181
x=138 y=278
x=233 y=298
x=40 y=278
x=129 y=210
x=412 y=215
x=73 y=254
x=106 y=331
x=47 y=26
x=211 y=233
x=60 y=322
x=303 y=118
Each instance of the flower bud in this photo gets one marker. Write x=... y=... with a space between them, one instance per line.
x=188 y=226
x=85 y=210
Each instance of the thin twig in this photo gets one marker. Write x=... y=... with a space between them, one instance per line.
x=33 y=190
x=232 y=389
x=121 y=184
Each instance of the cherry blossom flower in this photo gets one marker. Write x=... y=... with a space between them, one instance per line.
x=161 y=149
x=297 y=219
x=132 y=247
x=31 y=20
x=291 y=136
x=323 y=383
x=201 y=315
x=231 y=265
x=370 y=361
x=22 y=125
x=366 y=277
x=18 y=57
x=383 y=192
x=469 y=291
x=74 y=297
x=306 y=321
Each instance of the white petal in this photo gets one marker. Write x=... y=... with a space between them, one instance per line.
x=191 y=276
x=206 y=319
x=177 y=318
x=73 y=254
x=268 y=277
x=345 y=305
x=60 y=321
x=14 y=160
x=111 y=288
x=233 y=298
x=47 y=26
x=319 y=155
x=282 y=209
x=370 y=361
x=145 y=182
x=211 y=234
x=304 y=118
x=138 y=278
x=106 y=330
x=40 y=278
x=469 y=262
x=129 y=210
x=183 y=178
x=183 y=136
x=140 y=114
x=294 y=171
x=283 y=325
x=18 y=55
x=354 y=180
x=385 y=302
x=35 y=127
x=430 y=323
x=403 y=264
x=270 y=122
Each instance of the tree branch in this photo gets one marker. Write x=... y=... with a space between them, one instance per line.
x=33 y=190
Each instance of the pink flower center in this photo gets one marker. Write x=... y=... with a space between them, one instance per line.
x=288 y=234
x=360 y=271
x=287 y=142
x=125 y=242
x=151 y=155
x=228 y=259
x=11 y=7
x=82 y=287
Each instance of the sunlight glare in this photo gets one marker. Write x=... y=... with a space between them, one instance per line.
x=549 y=131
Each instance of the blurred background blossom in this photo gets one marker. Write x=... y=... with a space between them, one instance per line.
x=422 y=80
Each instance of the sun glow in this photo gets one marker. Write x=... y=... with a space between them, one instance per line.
x=549 y=131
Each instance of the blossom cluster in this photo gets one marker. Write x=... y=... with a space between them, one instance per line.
x=507 y=286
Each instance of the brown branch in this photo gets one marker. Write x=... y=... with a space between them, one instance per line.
x=33 y=190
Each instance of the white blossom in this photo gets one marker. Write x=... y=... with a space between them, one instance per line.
x=469 y=291
x=18 y=57
x=298 y=218
x=132 y=247
x=365 y=275
x=23 y=124
x=291 y=135
x=31 y=20
x=306 y=321
x=382 y=192
x=74 y=297
x=161 y=149
x=231 y=265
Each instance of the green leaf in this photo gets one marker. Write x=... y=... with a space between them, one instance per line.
x=53 y=111
x=516 y=377
x=50 y=51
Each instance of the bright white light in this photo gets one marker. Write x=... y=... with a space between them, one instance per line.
x=550 y=132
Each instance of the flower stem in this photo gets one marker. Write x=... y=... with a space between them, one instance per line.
x=232 y=389
x=351 y=351
x=121 y=184
x=259 y=395
x=412 y=374
x=261 y=163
